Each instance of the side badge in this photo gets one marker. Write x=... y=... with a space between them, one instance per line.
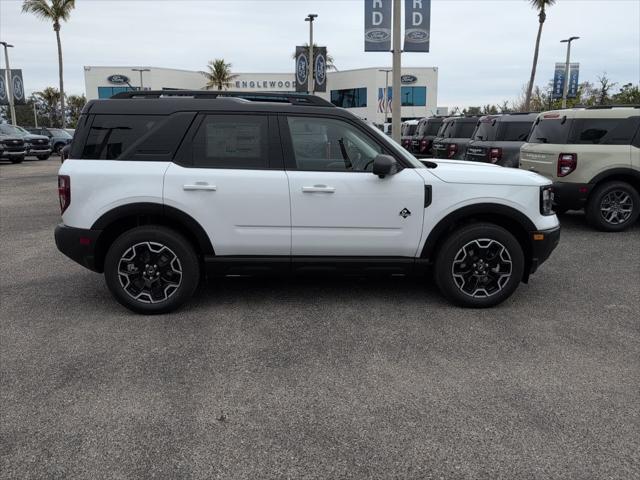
x=404 y=213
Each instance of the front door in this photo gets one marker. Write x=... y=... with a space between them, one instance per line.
x=338 y=206
x=232 y=182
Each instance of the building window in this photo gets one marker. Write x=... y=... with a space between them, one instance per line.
x=108 y=92
x=349 y=98
x=414 y=96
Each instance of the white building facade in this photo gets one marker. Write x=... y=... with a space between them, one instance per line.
x=360 y=90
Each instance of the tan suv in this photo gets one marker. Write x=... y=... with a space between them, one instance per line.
x=593 y=157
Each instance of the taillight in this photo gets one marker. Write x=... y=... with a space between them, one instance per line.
x=64 y=192
x=424 y=145
x=567 y=163
x=452 y=149
x=495 y=155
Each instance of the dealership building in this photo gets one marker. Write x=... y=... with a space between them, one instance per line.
x=360 y=90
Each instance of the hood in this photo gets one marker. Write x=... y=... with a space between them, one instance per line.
x=460 y=171
x=32 y=136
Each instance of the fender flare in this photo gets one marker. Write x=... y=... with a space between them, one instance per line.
x=616 y=172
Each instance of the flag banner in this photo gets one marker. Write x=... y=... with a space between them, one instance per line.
x=302 y=69
x=417 y=22
x=377 y=25
x=384 y=102
x=558 y=80
x=320 y=69
x=18 y=88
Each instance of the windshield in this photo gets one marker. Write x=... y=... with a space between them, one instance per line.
x=514 y=131
x=10 y=130
x=551 y=131
x=21 y=129
x=59 y=132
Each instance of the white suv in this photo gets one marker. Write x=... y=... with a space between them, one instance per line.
x=163 y=188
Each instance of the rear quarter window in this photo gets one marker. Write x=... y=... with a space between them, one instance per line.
x=514 y=131
x=555 y=130
x=604 y=131
x=463 y=130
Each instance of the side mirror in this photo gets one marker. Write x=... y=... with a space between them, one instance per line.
x=384 y=165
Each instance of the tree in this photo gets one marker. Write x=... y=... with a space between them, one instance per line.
x=54 y=11
x=629 y=94
x=49 y=99
x=219 y=75
x=75 y=105
x=604 y=87
x=330 y=63
x=541 y=6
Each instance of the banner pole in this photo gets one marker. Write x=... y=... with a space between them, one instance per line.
x=396 y=104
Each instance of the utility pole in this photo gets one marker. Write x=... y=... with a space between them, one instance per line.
x=396 y=105
x=141 y=70
x=386 y=92
x=35 y=115
x=566 y=69
x=9 y=81
x=310 y=18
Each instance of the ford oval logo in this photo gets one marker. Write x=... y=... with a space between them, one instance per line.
x=417 y=35
x=377 y=35
x=118 y=79
x=408 y=79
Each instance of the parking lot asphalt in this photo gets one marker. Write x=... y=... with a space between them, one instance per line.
x=324 y=378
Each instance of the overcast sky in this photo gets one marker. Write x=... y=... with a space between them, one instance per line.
x=483 y=48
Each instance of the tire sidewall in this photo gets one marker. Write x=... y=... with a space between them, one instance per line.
x=459 y=238
x=176 y=242
x=594 y=216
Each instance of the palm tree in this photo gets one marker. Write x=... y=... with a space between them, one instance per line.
x=75 y=105
x=541 y=6
x=219 y=75
x=54 y=11
x=330 y=63
x=50 y=98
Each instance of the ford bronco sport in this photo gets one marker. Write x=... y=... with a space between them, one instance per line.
x=162 y=188
x=593 y=157
x=454 y=136
x=422 y=142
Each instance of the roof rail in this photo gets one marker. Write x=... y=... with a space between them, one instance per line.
x=605 y=107
x=283 y=97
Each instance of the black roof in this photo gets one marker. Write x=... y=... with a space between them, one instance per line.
x=164 y=102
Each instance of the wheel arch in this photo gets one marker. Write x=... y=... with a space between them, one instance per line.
x=120 y=219
x=507 y=217
x=628 y=175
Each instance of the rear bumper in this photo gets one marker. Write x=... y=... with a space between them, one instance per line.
x=79 y=244
x=571 y=196
x=542 y=244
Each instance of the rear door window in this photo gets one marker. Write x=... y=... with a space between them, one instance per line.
x=555 y=130
x=604 y=131
x=514 y=131
x=432 y=128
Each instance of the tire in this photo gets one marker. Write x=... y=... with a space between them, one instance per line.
x=57 y=148
x=43 y=157
x=457 y=279
x=17 y=160
x=613 y=206
x=171 y=285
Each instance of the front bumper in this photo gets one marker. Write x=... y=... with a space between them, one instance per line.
x=39 y=151
x=571 y=196
x=79 y=244
x=542 y=242
x=11 y=154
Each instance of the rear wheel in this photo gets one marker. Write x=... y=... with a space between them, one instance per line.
x=151 y=269
x=613 y=206
x=479 y=265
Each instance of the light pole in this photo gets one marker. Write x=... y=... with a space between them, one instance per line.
x=310 y=18
x=396 y=106
x=9 y=81
x=141 y=70
x=566 y=69
x=386 y=92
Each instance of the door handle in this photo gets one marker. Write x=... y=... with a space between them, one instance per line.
x=319 y=189
x=199 y=186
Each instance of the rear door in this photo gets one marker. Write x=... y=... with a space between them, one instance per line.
x=338 y=206
x=230 y=179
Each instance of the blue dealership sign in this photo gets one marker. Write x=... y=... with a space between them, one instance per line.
x=559 y=79
x=377 y=25
x=417 y=21
x=320 y=69
x=302 y=69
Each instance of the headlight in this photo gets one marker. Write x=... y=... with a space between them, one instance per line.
x=546 y=200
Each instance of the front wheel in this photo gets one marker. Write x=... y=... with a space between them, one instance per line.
x=17 y=160
x=43 y=157
x=479 y=265
x=151 y=269
x=613 y=206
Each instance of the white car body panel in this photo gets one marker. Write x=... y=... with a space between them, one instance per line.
x=98 y=186
x=248 y=213
x=360 y=217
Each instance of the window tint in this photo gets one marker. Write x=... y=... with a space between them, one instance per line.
x=444 y=129
x=349 y=98
x=551 y=131
x=111 y=135
x=463 y=130
x=330 y=144
x=411 y=129
x=514 y=131
x=486 y=130
x=606 y=131
x=432 y=128
x=232 y=141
